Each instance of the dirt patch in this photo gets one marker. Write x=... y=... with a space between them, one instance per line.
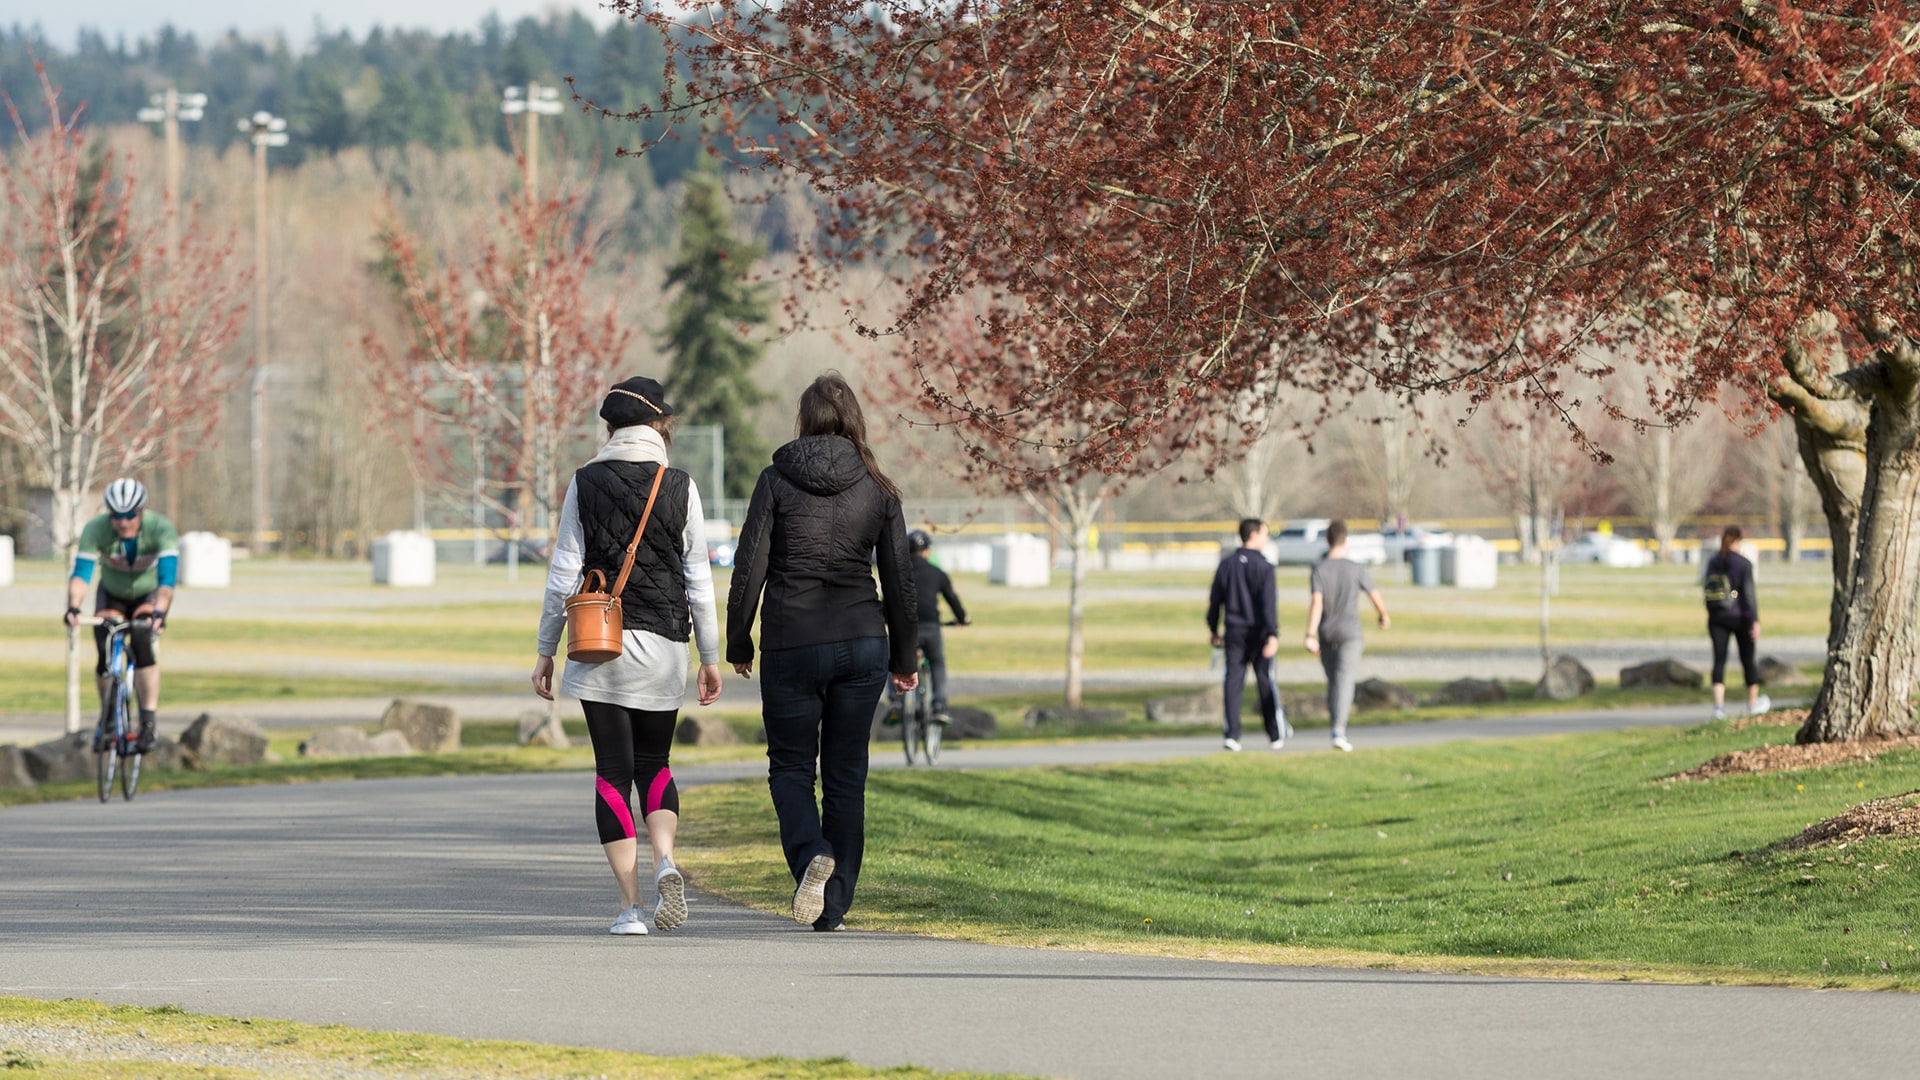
x=1791 y=756
x=1897 y=815
x=1777 y=718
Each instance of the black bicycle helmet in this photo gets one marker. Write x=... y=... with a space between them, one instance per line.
x=918 y=541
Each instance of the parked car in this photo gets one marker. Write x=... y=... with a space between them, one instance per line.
x=720 y=544
x=1396 y=544
x=1303 y=541
x=1605 y=549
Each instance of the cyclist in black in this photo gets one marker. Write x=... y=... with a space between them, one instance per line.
x=138 y=554
x=929 y=581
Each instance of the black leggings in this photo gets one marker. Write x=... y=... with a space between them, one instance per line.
x=630 y=749
x=1741 y=631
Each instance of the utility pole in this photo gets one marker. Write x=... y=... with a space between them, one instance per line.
x=265 y=129
x=533 y=101
x=170 y=109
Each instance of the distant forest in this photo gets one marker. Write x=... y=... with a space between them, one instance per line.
x=391 y=88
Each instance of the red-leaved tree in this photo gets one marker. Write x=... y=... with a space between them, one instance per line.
x=503 y=360
x=1165 y=190
x=110 y=345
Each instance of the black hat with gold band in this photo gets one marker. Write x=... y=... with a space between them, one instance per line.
x=638 y=400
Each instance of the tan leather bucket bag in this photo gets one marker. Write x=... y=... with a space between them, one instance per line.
x=594 y=618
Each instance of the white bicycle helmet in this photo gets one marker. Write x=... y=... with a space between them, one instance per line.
x=126 y=495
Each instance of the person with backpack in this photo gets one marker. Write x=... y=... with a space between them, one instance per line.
x=1733 y=614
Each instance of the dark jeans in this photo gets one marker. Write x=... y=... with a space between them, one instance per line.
x=1243 y=646
x=1740 y=629
x=935 y=647
x=818 y=701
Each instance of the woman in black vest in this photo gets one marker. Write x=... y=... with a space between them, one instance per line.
x=1733 y=614
x=819 y=515
x=632 y=701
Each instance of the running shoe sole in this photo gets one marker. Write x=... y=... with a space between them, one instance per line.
x=810 y=899
x=671 y=912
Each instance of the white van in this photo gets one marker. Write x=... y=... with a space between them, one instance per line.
x=1303 y=542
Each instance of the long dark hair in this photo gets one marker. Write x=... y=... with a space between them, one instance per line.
x=828 y=407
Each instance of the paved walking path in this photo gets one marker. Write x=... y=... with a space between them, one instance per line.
x=476 y=906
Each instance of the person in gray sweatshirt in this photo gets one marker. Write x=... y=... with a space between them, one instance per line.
x=1333 y=625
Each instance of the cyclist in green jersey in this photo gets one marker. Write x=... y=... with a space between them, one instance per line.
x=138 y=554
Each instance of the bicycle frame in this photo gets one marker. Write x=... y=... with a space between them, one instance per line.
x=116 y=739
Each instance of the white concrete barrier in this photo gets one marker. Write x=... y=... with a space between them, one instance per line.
x=963 y=556
x=1021 y=561
x=1471 y=563
x=206 y=561
x=6 y=560
x=403 y=558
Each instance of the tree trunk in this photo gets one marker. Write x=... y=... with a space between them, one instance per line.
x=1080 y=513
x=1873 y=643
x=1664 y=526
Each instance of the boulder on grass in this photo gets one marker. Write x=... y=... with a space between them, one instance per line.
x=705 y=731
x=209 y=741
x=1059 y=716
x=1777 y=672
x=166 y=755
x=1658 y=674
x=538 y=727
x=1373 y=695
x=971 y=723
x=1565 y=680
x=1205 y=707
x=338 y=742
x=13 y=768
x=389 y=744
x=429 y=728
x=1471 y=692
x=1301 y=708
x=67 y=758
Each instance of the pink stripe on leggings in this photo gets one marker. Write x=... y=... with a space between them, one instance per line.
x=657 y=790
x=617 y=803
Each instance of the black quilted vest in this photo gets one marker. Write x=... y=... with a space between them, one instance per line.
x=612 y=495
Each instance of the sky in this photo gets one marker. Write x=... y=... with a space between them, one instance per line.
x=62 y=20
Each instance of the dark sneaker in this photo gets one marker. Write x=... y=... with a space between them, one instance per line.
x=99 y=741
x=145 y=742
x=810 y=898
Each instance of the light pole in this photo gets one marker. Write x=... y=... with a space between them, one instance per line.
x=533 y=101
x=170 y=110
x=265 y=129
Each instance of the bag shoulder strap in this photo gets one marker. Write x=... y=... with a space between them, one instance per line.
x=626 y=567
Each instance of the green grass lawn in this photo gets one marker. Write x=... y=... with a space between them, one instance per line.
x=169 y=1043
x=1132 y=621
x=42 y=687
x=1548 y=855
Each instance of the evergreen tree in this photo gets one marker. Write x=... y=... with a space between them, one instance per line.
x=708 y=326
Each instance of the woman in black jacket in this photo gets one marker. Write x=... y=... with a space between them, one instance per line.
x=818 y=516
x=1733 y=613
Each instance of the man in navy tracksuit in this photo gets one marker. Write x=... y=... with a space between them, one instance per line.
x=1243 y=591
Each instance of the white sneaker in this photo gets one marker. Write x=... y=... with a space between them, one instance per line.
x=1341 y=744
x=1230 y=744
x=630 y=922
x=671 y=911
x=1761 y=705
x=1286 y=732
x=1719 y=712
x=810 y=897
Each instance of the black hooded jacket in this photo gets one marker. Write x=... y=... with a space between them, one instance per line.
x=815 y=522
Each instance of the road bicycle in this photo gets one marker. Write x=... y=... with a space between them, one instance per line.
x=116 y=738
x=920 y=733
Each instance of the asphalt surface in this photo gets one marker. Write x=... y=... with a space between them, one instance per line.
x=477 y=906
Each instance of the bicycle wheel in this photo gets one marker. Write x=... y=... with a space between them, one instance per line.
x=909 y=722
x=130 y=768
x=107 y=758
x=930 y=740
